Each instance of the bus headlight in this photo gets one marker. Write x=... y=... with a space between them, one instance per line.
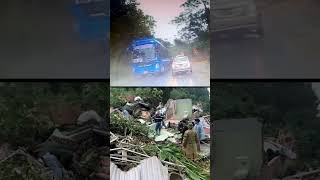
x=137 y=60
x=157 y=66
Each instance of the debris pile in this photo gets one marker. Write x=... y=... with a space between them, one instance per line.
x=127 y=152
x=281 y=157
x=150 y=168
x=72 y=151
x=20 y=165
x=136 y=148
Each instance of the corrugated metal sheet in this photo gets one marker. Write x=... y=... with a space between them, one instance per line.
x=149 y=169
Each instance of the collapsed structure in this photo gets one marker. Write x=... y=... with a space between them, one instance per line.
x=256 y=157
x=134 y=154
x=79 y=151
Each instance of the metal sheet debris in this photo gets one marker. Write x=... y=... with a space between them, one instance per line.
x=150 y=168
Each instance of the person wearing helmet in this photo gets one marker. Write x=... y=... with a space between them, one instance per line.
x=190 y=143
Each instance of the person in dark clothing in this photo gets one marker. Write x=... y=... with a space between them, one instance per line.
x=158 y=119
x=183 y=126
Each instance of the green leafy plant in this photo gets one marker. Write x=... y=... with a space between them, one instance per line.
x=172 y=153
x=120 y=125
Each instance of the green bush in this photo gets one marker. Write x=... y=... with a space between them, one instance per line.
x=120 y=125
x=150 y=95
x=24 y=107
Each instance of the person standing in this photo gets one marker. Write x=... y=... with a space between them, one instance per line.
x=183 y=126
x=190 y=143
x=199 y=130
x=158 y=119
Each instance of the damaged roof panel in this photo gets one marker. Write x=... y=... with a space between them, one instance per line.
x=150 y=168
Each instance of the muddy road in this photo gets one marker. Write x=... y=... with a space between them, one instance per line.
x=200 y=76
x=289 y=48
x=39 y=40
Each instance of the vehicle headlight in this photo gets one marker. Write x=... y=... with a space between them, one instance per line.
x=137 y=60
x=157 y=66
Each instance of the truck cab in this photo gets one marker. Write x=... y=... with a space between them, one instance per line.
x=92 y=19
x=235 y=17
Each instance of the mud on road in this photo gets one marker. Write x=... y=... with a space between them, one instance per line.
x=289 y=48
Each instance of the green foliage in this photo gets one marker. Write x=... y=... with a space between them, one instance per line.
x=120 y=125
x=94 y=96
x=150 y=95
x=128 y=22
x=232 y=100
x=24 y=107
x=20 y=167
x=280 y=105
x=118 y=97
x=194 y=22
x=172 y=153
x=179 y=94
x=22 y=118
x=155 y=95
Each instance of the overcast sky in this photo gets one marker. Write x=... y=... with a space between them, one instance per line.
x=163 y=12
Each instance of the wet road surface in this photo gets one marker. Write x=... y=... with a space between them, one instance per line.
x=289 y=48
x=200 y=76
x=38 y=40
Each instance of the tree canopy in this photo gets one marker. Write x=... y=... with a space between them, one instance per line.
x=194 y=22
x=127 y=23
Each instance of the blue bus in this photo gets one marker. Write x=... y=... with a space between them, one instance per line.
x=92 y=18
x=148 y=56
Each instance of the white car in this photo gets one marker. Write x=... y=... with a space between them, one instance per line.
x=181 y=64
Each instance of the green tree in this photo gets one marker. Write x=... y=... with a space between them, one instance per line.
x=127 y=23
x=149 y=95
x=194 y=22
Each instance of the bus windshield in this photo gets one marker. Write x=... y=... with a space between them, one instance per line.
x=144 y=53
